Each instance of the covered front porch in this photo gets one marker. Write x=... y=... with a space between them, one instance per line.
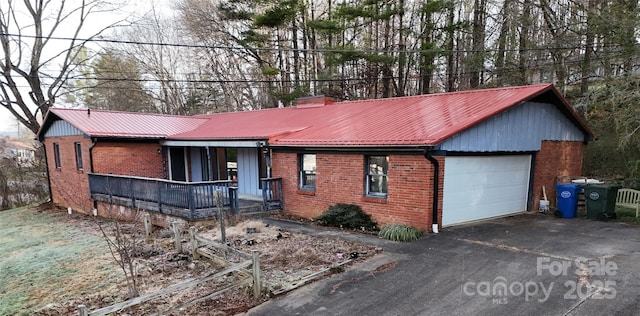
x=188 y=200
x=240 y=164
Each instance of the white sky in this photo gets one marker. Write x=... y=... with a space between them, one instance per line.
x=96 y=22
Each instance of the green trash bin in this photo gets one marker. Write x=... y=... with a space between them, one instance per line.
x=600 y=201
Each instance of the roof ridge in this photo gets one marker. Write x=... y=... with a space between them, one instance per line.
x=126 y=112
x=450 y=92
x=248 y=111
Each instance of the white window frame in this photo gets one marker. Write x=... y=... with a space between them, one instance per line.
x=302 y=173
x=369 y=175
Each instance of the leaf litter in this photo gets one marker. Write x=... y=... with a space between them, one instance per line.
x=67 y=263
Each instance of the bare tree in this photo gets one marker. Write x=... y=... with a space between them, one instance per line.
x=33 y=70
x=123 y=245
x=178 y=72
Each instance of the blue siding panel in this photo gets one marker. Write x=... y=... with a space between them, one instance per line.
x=248 y=172
x=196 y=164
x=521 y=128
x=62 y=128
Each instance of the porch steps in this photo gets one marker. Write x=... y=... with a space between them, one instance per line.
x=249 y=206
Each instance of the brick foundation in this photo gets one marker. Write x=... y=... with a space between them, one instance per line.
x=127 y=214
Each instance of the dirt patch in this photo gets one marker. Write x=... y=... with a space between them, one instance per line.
x=96 y=281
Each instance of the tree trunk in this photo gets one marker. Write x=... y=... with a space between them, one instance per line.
x=477 y=56
x=589 y=38
x=296 y=54
x=505 y=27
x=402 y=56
x=451 y=57
x=525 y=24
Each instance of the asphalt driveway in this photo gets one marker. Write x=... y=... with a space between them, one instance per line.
x=524 y=265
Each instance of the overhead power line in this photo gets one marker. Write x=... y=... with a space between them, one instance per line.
x=318 y=50
x=290 y=81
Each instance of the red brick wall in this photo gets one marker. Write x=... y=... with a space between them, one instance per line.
x=69 y=186
x=130 y=159
x=555 y=159
x=340 y=179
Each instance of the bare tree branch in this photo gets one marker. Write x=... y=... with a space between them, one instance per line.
x=29 y=84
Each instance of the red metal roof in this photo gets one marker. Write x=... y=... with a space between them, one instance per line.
x=405 y=121
x=99 y=123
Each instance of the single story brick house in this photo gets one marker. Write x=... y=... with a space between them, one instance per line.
x=429 y=160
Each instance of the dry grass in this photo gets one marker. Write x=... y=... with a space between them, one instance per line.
x=45 y=262
x=254 y=227
x=65 y=262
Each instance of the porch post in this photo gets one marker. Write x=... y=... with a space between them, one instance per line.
x=267 y=159
x=280 y=195
x=209 y=172
x=192 y=202
x=159 y=188
x=132 y=195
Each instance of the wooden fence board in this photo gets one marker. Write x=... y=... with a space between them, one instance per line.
x=222 y=247
x=173 y=288
x=206 y=297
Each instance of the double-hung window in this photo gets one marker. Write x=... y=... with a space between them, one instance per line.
x=56 y=155
x=307 y=171
x=78 y=148
x=377 y=173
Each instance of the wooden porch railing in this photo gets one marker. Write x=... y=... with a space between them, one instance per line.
x=272 y=197
x=191 y=200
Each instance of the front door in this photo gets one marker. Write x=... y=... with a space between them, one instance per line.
x=248 y=172
x=199 y=164
x=177 y=163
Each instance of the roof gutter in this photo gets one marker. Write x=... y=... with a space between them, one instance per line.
x=94 y=141
x=436 y=188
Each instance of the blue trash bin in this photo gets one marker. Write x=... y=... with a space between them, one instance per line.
x=568 y=199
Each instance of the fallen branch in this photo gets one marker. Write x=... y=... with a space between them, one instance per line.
x=220 y=261
x=222 y=247
x=206 y=297
x=173 y=288
x=308 y=278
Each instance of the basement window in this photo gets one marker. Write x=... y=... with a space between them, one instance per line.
x=376 y=174
x=307 y=171
x=78 y=155
x=56 y=155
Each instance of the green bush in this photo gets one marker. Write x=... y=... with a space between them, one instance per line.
x=400 y=232
x=347 y=216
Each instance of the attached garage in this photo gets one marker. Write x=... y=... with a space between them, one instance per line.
x=481 y=187
x=498 y=166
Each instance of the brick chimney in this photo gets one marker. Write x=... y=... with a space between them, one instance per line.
x=314 y=102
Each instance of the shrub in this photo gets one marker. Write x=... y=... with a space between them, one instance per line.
x=346 y=216
x=400 y=232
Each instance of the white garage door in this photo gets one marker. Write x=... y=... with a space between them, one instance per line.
x=484 y=187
